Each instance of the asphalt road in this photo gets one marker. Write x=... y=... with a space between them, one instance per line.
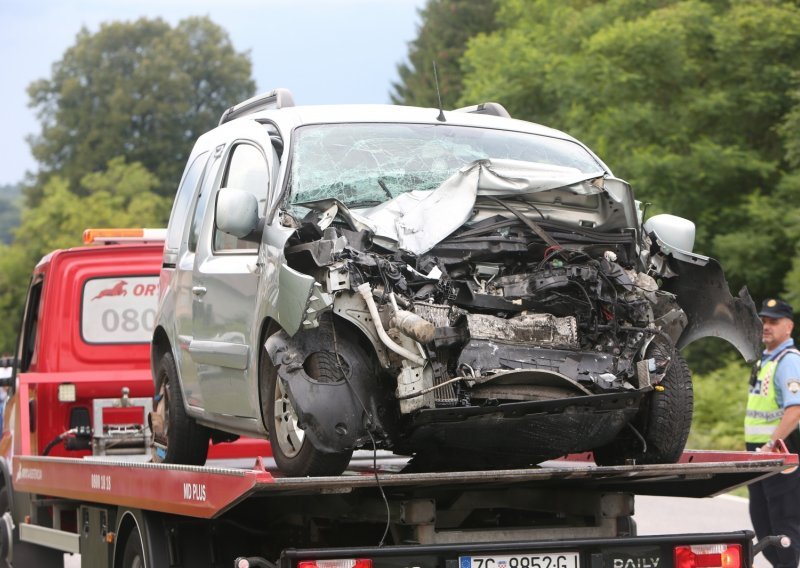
x=675 y=515
x=665 y=515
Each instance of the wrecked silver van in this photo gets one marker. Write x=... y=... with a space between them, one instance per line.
x=460 y=287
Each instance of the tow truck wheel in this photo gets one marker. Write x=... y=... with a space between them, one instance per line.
x=182 y=441
x=292 y=450
x=133 y=557
x=663 y=424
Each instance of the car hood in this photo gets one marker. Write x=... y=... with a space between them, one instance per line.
x=418 y=220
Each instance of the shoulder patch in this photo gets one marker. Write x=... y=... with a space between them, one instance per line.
x=793 y=385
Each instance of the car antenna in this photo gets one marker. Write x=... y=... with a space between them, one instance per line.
x=441 y=117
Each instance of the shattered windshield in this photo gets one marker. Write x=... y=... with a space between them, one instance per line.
x=362 y=165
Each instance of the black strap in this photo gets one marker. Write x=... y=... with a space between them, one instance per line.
x=792 y=441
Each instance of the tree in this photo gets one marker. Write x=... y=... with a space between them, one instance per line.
x=143 y=90
x=442 y=38
x=9 y=211
x=121 y=196
x=684 y=99
x=720 y=398
x=789 y=196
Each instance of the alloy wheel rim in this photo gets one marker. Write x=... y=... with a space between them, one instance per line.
x=289 y=435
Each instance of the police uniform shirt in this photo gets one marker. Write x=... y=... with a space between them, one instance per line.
x=787 y=376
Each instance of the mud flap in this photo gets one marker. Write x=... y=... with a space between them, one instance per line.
x=329 y=412
x=703 y=294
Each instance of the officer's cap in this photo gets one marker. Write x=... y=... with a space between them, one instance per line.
x=774 y=308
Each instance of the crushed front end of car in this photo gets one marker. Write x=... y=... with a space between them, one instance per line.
x=513 y=312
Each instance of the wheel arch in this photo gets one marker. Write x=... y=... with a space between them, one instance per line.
x=151 y=532
x=269 y=327
x=158 y=347
x=369 y=395
x=6 y=481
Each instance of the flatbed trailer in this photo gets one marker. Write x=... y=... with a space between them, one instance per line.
x=565 y=513
x=76 y=475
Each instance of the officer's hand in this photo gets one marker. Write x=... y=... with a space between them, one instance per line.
x=768 y=447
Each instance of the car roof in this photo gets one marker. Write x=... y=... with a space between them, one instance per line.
x=321 y=114
x=290 y=117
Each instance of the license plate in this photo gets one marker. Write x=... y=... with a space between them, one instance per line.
x=524 y=560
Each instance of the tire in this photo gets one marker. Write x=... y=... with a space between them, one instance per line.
x=5 y=502
x=663 y=423
x=186 y=441
x=291 y=448
x=133 y=556
x=22 y=553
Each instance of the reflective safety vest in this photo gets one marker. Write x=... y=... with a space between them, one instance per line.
x=763 y=411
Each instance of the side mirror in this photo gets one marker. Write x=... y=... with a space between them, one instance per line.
x=675 y=232
x=236 y=212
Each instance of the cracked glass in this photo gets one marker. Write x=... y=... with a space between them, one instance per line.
x=362 y=165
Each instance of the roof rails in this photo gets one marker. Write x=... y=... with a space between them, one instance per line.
x=493 y=109
x=275 y=99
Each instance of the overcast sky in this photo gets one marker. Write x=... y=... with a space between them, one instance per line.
x=324 y=51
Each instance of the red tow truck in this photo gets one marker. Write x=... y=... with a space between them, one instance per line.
x=77 y=477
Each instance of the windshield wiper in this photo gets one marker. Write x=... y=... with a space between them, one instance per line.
x=385 y=189
x=545 y=236
x=363 y=203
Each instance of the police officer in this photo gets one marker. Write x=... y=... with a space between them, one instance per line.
x=773 y=413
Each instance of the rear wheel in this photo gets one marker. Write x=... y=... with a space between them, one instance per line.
x=179 y=439
x=14 y=552
x=662 y=425
x=292 y=450
x=133 y=557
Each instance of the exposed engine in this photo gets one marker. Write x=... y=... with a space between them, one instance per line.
x=500 y=320
x=496 y=297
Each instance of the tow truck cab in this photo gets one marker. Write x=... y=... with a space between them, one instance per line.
x=83 y=384
x=85 y=338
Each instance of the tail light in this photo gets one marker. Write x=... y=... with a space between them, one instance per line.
x=709 y=556
x=336 y=563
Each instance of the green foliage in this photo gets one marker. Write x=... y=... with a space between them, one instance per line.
x=119 y=116
x=719 y=403
x=143 y=90
x=442 y=38
x=683 y=99
x=10 y=202
x=697 y=104
x=121 y=196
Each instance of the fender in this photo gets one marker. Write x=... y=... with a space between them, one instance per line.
x=703 y=294
x=331 y=413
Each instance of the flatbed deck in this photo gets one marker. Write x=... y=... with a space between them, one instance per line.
x=211 y=490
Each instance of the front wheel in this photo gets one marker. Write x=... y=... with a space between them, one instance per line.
x=293 y=452
x=659 y=432
x=177 y=437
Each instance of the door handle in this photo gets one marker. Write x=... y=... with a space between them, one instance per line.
x=199 y=290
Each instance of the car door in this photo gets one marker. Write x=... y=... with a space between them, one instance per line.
x=181 y=282
x=225 y=285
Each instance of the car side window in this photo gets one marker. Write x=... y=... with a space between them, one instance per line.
x=247 y=170
x=193 y=176
x=30 y=327
x=200 y=205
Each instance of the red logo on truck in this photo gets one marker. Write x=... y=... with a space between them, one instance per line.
x=117 y=290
